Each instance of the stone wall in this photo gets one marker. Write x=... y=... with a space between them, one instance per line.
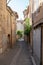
x=7 y=25
x=37 y=44
x=3 y=26
x=38 y=16
x=13 y=20
x=11 y=27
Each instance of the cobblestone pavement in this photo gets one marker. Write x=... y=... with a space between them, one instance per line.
x=19 y=55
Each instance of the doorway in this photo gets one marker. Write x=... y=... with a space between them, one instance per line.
x=9 y=41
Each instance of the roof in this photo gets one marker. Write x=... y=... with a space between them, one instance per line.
x=16 y=14
x=9 y=9
x=26 y=10
x=12 y=12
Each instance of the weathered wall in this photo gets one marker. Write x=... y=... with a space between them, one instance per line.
x=0 y=39
x=8 y=28
x=3 y=23
x=37 y=44
x=11 y=26
x=13 y=21
x=8 y=22
x=38 y=16
x=0 y=27
x=15 y=29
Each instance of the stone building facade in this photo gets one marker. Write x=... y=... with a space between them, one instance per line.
x=13 y=29
x=38 y=34
x=11 y=26
x=7 y=26
x=3 y=26
x=37 y=30
x=27 y=14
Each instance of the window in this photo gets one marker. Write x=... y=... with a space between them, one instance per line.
x=41 y=2
x=36 y=4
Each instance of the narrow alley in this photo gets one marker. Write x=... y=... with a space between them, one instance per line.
x=19 y=55
x=21 y=32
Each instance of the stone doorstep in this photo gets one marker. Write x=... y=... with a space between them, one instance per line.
x=33 y=61
x=0 y=50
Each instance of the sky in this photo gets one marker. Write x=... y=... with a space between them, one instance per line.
x=19 y=6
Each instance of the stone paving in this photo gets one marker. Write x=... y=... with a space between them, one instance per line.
x=19 y=55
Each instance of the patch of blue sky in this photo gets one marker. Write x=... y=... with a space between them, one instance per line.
x=19 y=6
